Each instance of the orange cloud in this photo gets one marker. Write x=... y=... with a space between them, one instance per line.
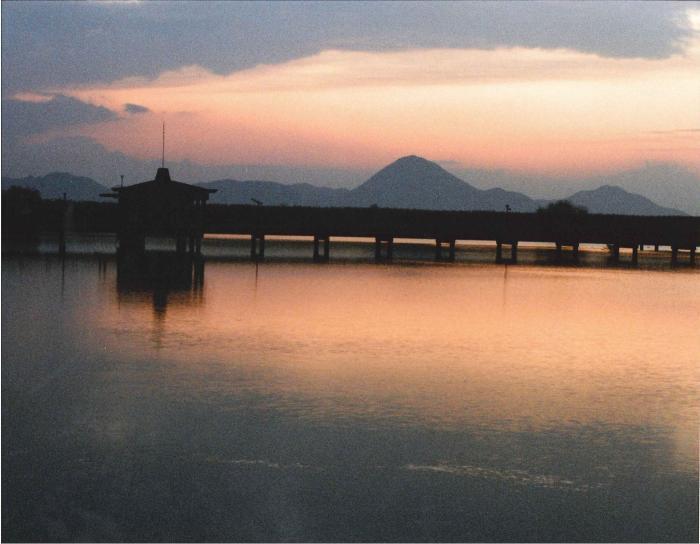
x=523 y=109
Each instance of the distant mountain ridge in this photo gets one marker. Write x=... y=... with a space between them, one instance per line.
x=53 y=185
x=273 y=193
x=608 y=199
x=409 y=182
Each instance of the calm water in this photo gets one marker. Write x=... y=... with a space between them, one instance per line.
x=353 y=401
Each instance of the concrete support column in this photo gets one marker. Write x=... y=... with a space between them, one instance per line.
x=257 y=246
x=316 y=242
x=378 y=241
x=616 y=253
x=513 y=251
x=327 y=248
x=438 y=249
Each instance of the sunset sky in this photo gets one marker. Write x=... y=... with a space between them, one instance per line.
x=555 y=91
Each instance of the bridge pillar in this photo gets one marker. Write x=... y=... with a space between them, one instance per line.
x=615 y=253
x=378 y=241
x=560 y=248
x=180 y=243
x=438 y=249
x=257 y=246
x=513 y=251
x=326 y=247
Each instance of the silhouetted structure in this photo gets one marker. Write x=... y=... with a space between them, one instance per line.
x=21 y=208
x=145 y=211
x=446 y=227
x=161 y=207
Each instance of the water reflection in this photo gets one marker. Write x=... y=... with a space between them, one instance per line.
x=164 y=278
x=288 y=401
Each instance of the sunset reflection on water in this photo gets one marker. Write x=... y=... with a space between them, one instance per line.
x=458 y=384
x=512 y=349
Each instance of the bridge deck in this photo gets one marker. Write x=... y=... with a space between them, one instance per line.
x=627 y=231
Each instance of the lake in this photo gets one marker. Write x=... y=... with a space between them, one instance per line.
x=348 y=401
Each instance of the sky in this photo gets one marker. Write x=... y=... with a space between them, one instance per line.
x=541 y=97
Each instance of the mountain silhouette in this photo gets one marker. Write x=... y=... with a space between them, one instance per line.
x=409 y=182
x=611 y=199
x=414 y=182
x=53 y=185
x=231 y=191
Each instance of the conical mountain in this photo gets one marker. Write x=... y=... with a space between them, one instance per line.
x=414 y=182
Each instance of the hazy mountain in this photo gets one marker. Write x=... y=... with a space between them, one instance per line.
x=414 y=182
x=269 y=192
x=409 y=182
x=53 y=185
x=612 y=199
x=669 y=185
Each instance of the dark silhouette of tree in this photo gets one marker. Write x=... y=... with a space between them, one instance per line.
x=562 y=207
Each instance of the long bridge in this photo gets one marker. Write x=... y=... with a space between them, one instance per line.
x=385 y=225
x=168 y=208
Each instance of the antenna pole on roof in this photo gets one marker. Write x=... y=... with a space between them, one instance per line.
x=163 y=160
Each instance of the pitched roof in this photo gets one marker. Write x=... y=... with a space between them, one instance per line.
x=162 y=183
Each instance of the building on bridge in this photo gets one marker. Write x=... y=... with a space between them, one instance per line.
x=161 y=207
